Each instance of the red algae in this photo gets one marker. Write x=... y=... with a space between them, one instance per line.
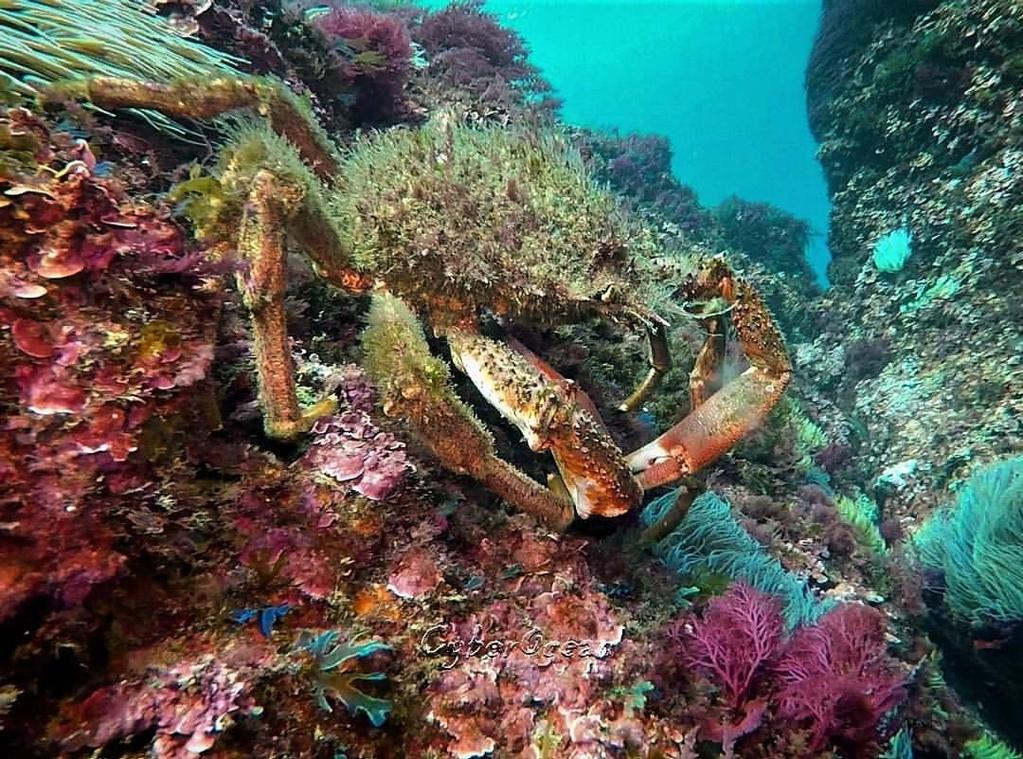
x=176 y=582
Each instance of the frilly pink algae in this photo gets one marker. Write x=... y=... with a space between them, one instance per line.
x=189 y=704
x=349 y=447
x=415 y=575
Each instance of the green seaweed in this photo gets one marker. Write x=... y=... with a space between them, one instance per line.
x=989 y=747
x=861 y=513
x=200 y=199
x=335 y=675
x=943 y=289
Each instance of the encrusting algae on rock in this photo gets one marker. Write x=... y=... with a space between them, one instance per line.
x=242 y=249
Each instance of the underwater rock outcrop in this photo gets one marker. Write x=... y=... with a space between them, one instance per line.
x=917 y=108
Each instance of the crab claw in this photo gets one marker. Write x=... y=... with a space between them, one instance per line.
x=710 y=431
x=726 y=417
x=593 y=469
x=553 y=415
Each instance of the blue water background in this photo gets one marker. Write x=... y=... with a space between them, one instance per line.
x=723 y=80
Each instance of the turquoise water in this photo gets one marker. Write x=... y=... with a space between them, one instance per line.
x=723 y=80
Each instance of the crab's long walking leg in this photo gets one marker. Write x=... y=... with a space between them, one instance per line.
x=704 y=380
x=737 y=408
x=705 y=377
x=552 y=415
x=206 y=99
x=262 y=285
x=416 y=386
x=659 y=358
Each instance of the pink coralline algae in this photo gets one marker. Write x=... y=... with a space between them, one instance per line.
x=415 y=575
x=32 y=338
x=98 y=350
x=290 y=553
x=189 y=704
x=109 y=430
x=349 y=448
x=48 y=390
x=546 y=656
x=71 y=222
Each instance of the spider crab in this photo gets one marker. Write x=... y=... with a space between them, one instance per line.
x=450 y=222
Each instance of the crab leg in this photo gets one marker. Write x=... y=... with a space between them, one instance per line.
x=705 y=376
x=194 y=99
x=552 y=415
x=262 y=287
x=274 y=206
x=659 y=358
x=416 y=386
x=567 y=386
x=720 y=421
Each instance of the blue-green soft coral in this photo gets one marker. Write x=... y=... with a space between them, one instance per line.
x=893 y=250
x=978 y=545
x=710 y=541
x=900 y=746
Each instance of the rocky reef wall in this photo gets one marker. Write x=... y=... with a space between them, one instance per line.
x=918 y=108
x=918 y=112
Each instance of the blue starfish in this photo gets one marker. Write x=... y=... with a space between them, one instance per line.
x=267 y=616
